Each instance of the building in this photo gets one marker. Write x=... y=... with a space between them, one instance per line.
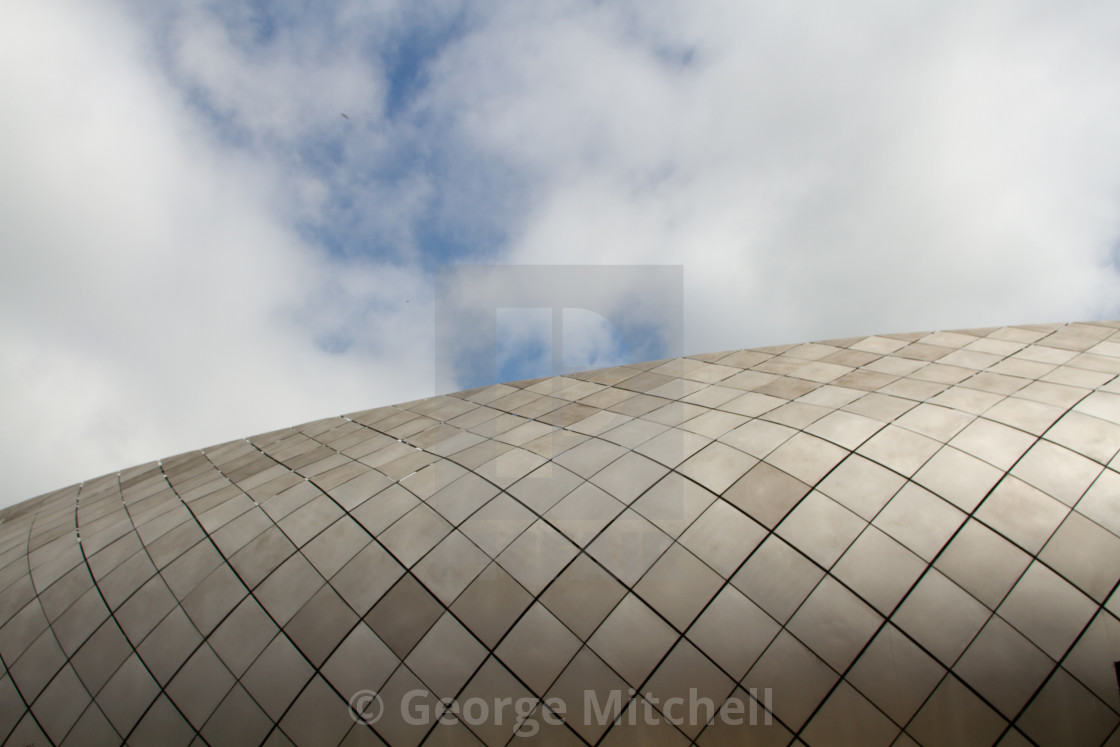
x=900 y=539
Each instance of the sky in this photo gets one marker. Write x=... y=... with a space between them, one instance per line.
x=196 y=245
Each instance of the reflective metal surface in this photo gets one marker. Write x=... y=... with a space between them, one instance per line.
x=899 y=539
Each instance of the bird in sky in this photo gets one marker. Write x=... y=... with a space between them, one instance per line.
x=345 y=117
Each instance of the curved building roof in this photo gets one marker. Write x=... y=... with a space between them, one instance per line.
x=900 y=539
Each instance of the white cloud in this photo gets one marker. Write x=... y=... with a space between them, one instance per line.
x=154 y=299
x=817 y=172
x=287 y=87
x=197 y=246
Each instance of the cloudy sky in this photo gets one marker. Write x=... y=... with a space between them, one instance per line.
x=195 y=244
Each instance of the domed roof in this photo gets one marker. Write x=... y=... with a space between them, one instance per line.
x=898 y=539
